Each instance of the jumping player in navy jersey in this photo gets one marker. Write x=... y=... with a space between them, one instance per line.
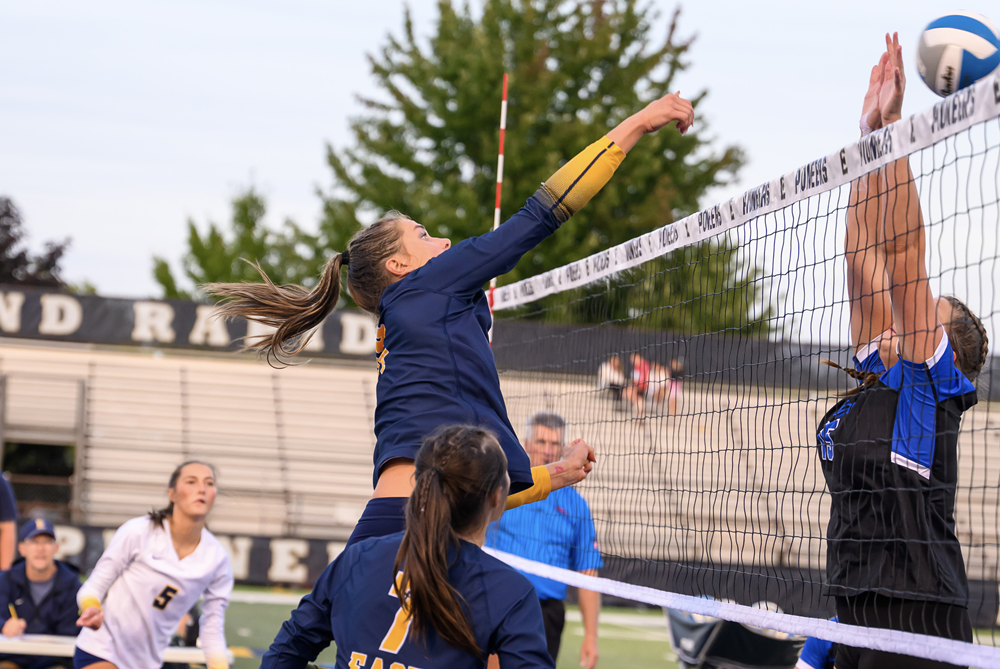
x=434 y=359
x=888 y=449
x=458 y=606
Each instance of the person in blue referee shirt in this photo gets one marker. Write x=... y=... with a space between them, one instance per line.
x=817 y=653
x=558 y=531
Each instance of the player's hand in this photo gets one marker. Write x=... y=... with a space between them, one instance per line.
x=890 y=96
x=14 y=627
x=870 y=113
x=671 y=107
x=588 y=652
x=579 y=458
x=91 y=617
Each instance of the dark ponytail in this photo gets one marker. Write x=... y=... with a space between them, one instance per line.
x=294 y=311
x=159 y=515
x=458 y=469
x=867 y=379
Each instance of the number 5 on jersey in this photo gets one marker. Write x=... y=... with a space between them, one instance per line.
x=164 y=597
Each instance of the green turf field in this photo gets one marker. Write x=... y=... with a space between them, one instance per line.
x=627 y=638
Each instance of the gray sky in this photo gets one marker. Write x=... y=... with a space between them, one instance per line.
x=120 y=120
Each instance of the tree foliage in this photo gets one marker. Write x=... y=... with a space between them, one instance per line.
x=288 y=255
x=18 y=265
x=577 y=69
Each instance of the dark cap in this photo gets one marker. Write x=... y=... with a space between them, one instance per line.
x=33 y=528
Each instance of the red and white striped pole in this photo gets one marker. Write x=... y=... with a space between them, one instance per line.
x=496 y=210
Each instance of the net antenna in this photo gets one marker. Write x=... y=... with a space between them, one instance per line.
x=496 y=210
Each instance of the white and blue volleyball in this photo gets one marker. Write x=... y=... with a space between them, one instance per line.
x=956 y=51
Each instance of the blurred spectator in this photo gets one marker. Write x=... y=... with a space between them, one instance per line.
x=659 y=383
x=676 y=384
x=558 y=531
x=8 y=515
x=611 y=377
x=636 y=391
x=41 y=591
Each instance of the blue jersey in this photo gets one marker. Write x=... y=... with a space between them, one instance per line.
x=890 y=458
x=435 y=363
x=817 y=653
x=557 y=531
x=868 y=359
x=354 y=603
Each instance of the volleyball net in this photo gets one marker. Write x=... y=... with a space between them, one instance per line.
x=691 y=359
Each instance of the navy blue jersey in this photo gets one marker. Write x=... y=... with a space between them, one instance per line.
x=890 y=458
x=435 y=363
x=354 y=603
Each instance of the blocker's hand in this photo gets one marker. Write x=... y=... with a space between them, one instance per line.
x=890 y=96
x=870 y=113
x=671 y=107
x=91 y=617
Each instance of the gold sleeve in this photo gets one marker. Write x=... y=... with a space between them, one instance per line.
x=540 y=489
x=566 y=191
x=90 y=600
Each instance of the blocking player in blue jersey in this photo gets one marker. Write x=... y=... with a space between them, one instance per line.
x=817 y=653
x=888 y=449
x=458 y=605
x=434 y=359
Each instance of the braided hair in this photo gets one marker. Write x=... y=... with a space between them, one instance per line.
x=968 y=339
x=458 y=470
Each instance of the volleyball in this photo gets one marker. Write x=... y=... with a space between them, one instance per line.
x=957 y=50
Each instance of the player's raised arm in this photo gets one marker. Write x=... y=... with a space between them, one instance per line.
x=914 y=308
x=465 y=267
x=871 y=311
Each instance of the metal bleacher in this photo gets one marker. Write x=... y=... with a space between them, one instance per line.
x=292 y=447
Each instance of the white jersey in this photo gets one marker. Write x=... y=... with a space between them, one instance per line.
x=145 y=590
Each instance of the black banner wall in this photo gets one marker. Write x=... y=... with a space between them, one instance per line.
x=55 y=316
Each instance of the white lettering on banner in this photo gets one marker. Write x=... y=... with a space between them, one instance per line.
x=238 y=550
x=333 y=549
x=811 y=175
x=70 y=541
x=285 y=565
x=153 y=322
x=756 y=198
x=357 y=334
x=209 y=329
x=61 y=315
x=954 y=109
x=979 y=103
x=10 y=311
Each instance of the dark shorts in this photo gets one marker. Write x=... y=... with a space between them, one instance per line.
x=872 y=610
x=554 y=617
x=382 y=516
x=82 y=658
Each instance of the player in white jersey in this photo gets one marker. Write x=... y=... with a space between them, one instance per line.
x=155 y=568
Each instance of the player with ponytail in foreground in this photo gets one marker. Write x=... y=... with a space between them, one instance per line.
x=153 y=571
x=889 y=449
x=434 y=359
x=428 y=597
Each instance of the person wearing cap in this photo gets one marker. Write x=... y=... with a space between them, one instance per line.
x=38 y=595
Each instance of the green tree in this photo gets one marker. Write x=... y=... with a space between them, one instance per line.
x=288 y=255
x=20 y=267
x=577 y=69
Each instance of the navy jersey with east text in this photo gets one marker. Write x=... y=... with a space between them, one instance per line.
x=354 y=603
x=890 y=458
x=435 y=363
